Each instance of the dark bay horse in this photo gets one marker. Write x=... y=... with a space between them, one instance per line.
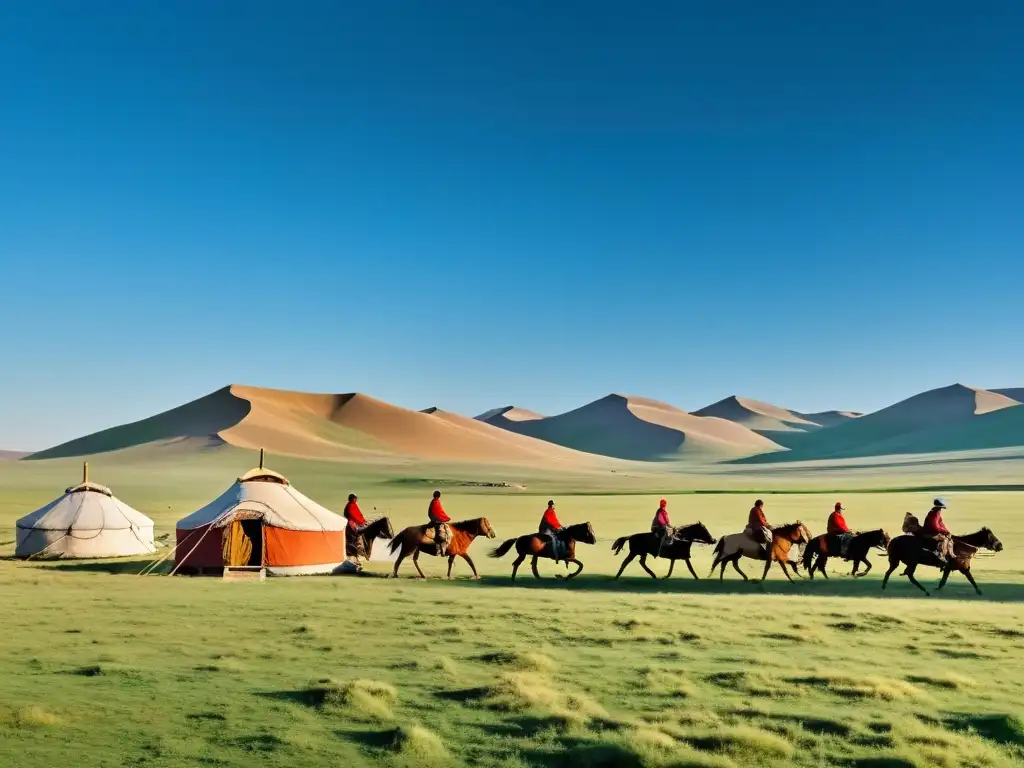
x=734 y=546
x=678 y=548
x=416 y=539
x=827 y=545
x=360 y=544
x=538 y=545
x=913 y=551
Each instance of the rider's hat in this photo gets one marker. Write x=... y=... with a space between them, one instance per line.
x=840 y=507
x=939 y=503
x=551 y=502
x=351 y=497
x=664 y=503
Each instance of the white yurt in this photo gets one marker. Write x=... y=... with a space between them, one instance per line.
x=261 y=521
x=87 y=521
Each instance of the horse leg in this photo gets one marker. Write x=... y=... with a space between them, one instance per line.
x=627 y=561
x=945 y=577
x=821 y=565
x=416 y=562
x=643 y=564
x=671 y=567
x=401 y=556
x=894 y=563
x=911 y=569
x=785 y=570
x=579 y=567
x=692 y=572
x=451 y=562
x=516 y=564
x=469 y=560
x=767 y=567
x=867 y=566
x=736 y=566
x=967 y=572
x=533 y=567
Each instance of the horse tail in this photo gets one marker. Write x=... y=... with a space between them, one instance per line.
x=395 y=543
x=619 y=544
x=719 y=548
x=504 y=548
x=809 y=552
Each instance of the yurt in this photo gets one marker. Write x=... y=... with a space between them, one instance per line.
x=261 y=521
x=87 y=521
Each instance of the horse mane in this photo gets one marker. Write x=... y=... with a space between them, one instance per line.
x=468 y=526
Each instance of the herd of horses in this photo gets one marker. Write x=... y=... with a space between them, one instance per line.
x=908 y=550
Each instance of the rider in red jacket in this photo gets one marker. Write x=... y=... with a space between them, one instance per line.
x=353 y=514
x=438 y=518
x=549 y=522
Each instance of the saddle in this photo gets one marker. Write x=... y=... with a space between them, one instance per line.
x=559 y=547
x=446 y=534
x=355 y=545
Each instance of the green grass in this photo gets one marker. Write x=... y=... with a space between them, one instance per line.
x=100 y=667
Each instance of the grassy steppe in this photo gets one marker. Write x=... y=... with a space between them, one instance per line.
x=101 y=667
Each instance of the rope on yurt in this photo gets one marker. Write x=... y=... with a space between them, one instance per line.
x=131 y=527
x=209 y=528
x=55 y=541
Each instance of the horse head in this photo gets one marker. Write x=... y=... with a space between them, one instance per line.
x=582 y=532
x=797 y=532
x=485 y=529
x=383 y=530
x=698 y=533
x=991 y=541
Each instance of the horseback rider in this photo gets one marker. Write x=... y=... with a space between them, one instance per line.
x=661 y=526
x=837 y=527
x=353 y=514
x=439 y=520
x=758 y=528
x=550 y=525
x=935 y=528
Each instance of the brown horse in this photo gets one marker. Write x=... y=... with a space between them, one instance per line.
x=360 y=544
x=829 y=545
x=913 y=551
x=731 y=548
x=678 y=548
x=539 y=545
x=415 y=539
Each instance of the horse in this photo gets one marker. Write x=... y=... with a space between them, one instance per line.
x=539 y=545
x=414 y=540
x=857 y=551
x=677 y=548
x=360 y=543
x=912 y=551
x=731 y=548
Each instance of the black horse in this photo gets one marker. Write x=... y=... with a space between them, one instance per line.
x=360 y=543
x=678 y=548
x=913 y=551
x=829 y=545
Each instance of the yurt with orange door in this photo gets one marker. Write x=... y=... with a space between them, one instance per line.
x=261 y=521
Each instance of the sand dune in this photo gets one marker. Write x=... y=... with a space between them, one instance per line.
x=1014 y=393
x=761 y=417
x=346 y=426
x=12 y=455
x=830 y=418
x=905 y=426
x=642 y=429
x=508 y=416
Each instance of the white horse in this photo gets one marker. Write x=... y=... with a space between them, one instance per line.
x=734 y=546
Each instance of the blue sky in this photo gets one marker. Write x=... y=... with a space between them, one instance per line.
x=472 y=204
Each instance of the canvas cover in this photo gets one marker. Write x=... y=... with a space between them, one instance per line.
x=87 y=521
x=299 y=535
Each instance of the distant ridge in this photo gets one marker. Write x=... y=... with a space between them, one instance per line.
x=1014 y=393
x=637 y=428
x=761 y=417
x=508 y=416
x=910 y=426
x=12 y=455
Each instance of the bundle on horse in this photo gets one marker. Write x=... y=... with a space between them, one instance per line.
x=675 y=548
x=913 y=551
x=830 y=545
x=360 y=543
x=734 y=546
x=420 y=538
x=560 y=547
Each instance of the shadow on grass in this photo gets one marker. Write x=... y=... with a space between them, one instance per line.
x=115 y=567
x=776 y=584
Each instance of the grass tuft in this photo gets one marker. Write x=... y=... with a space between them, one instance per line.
x=419 y=746
x=29 y=717
x=851 y=686
x=525 y=661
x=362 y=699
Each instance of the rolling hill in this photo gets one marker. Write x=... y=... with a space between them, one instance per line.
x=1014 y=393
x=927 y=422
x=349 y=426
x=637 y=428
x=507 y=416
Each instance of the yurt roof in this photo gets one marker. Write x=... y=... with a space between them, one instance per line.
x=267 y=495
x=85 y=507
